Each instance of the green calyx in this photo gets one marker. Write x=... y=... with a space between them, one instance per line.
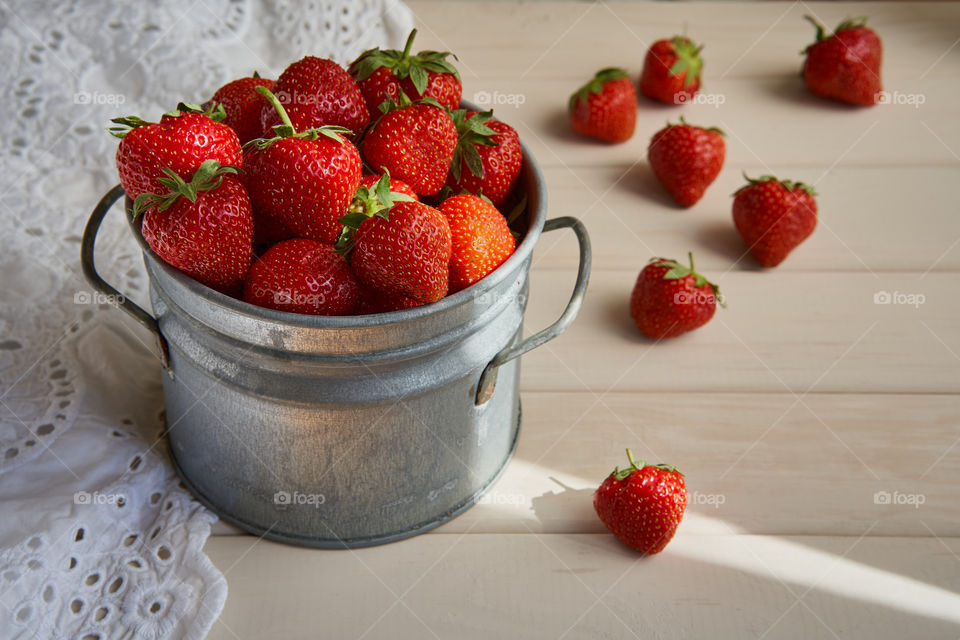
x=595 y=85
x=207 y=178
x=367 y=203
x=688 y=60
x=623 y=474
x=677 y=271
x=849 y=23
x=789 y=185
x=286 y=129
x=126 y=124
x=471 y=132
x=402 y=64
x=683 y=122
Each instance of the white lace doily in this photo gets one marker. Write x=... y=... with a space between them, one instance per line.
x=97 y=538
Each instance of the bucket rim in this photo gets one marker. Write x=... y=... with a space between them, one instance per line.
x=531 y=179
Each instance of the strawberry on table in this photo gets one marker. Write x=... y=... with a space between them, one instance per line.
x=488 y=157
x=302 y=276
x=670 y=299
x=317 y=92
x=302 y=180
x=203 y=227
x=384 y=73
x=414 y=144
x=243 y=105
x=846 y=65
x=686 y=159
x=774 y=216
x=605 y=107
x=180 y=142
x=395 y=245
x=481 y=239
x=671 y=70
x=642 y=505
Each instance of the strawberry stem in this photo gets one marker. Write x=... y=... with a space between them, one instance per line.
x=409 y=44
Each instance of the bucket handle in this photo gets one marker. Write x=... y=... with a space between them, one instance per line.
x=114 y=297
x=488 y=378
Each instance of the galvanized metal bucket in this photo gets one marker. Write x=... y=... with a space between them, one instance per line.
x=344 y=431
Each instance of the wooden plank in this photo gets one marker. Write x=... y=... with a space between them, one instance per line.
x=796 y=332
x=590 y=586
x=868 y=221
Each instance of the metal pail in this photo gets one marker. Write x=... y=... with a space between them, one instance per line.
x=344 y=431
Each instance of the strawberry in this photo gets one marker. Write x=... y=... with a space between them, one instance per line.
x=605 y=107
x=317 y=92
x=481 y=239
x=846 y=65
x=671 y=70
x=304 y=181
x=302 y=276
x=243 y=105
x=396 y=186
x=203 y=227
x=414 y=143
x=488 y=157
x=373 y=301
x=397 y=246
x=774 y=216
x=384 y=74
x=686 y=159
x=642 y=505
x=181 y=142
x=670 y=299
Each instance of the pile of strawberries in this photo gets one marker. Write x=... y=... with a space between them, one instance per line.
x=329 y=191
x=643 y=504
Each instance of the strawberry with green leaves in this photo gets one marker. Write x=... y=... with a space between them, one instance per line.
x=180 y=142
x=317 y=92
x=203 y=227
x=397 y=246
x=488 y=156
x=670 y=299
x=845 y=66
x=642 y=505
x=413 y=143
x=302 y=276
x=481 y=239
x=370 y=181
x=671 y=70
x=774 y=216
x=303 y=181
x=606 y=107
x=686 y=159
x=243 y=105
x=383 y=74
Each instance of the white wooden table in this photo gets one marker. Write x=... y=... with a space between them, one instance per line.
x=790 y=413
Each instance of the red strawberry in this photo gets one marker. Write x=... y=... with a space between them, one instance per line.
x=302 y=276
x=396 y=186
x=671 y=70
x=642 y=505
x=383 y=74
x=774 y=216
x=415 y=144
x=305 y=181
x=372 y=301
x=481 y=239
x=605 y=107
x=686 y=159
x=846 y=65
x=488 y=157
x=243 y=105
x=181 y=141
x=317 y=92
x=397 y=246
x=670 y=299
x=204 y=227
